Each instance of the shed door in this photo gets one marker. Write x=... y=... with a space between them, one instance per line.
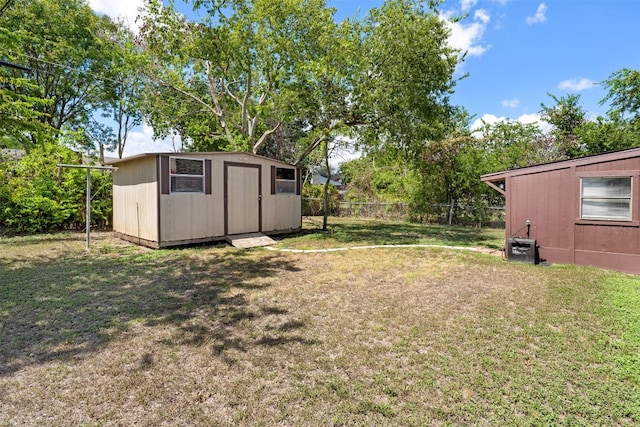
x=243 y=204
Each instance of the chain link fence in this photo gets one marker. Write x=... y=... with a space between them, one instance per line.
x=468 y=215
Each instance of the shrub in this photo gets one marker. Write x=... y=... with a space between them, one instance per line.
x=36 y=196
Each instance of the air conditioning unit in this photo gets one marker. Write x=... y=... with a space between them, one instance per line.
x=523 y=250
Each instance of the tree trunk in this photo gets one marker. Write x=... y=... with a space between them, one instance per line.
x=101 y=155
x=325 y=196
x=451 y=209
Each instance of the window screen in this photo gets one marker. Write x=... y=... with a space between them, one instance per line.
x=285 y=181
x=606 y=198
x=187 y=175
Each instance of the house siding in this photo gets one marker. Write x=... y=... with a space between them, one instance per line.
x=549 y=197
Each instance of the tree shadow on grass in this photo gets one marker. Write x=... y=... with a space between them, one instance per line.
x=60 y=307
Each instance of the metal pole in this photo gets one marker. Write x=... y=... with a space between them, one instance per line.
x=88 y=214
x=88 y=211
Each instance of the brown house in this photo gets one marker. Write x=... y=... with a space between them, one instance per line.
x=168 y=199
x=582 y=211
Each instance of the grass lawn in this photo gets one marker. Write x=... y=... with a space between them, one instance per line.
x=212 y=335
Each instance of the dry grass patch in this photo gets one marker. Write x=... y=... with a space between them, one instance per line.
x=216 y=336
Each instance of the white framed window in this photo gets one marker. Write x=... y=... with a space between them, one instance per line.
x=186 y=175
x=606 y=198
x=285 y=181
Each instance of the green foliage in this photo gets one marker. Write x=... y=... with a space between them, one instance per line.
x=373 y=178
x=312 y=199
x=406 y=79
x=566 y=116
x=37 y=196
x=58 y=40
x=623 y=94
x=20 y=111
x=122 y=87
x=233 y=75
x=608 y=134
x=573 y=135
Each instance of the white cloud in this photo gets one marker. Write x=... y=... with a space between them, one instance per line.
x=467 y=4
x=123 y=9
x=539 y=16
x=576 y=85
x=467 y=37
x=482 y=16
x=345 y=152
x=141 y=140
x=492 y=119
x=488 y=119
x=511 y=103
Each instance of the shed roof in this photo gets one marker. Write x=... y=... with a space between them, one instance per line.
x=193 y=154
x=562 y=164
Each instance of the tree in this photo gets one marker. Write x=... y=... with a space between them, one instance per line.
x=37 y=196
x=623 y=94
x=20 y=111
x=123 y=83
x=378 y=176
x=21 y=103
x=384 y=81
x=57 y=41
x=609 y=133
x=512 y=144
x=237 y=66
x=566 y=116
x=94 y=138
x=407 y=76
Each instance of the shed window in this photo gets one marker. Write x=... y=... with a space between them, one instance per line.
x=606 y=198
x=285 y=181
x=187 y=175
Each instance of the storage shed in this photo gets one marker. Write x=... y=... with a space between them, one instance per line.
x=168 y=199
x=582 y=211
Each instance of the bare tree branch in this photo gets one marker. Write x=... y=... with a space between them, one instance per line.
x=314 y=144
x=264 y=137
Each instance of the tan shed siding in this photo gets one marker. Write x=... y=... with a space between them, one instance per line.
x=196 y=216
x=279 y=211
x=135 y=198
x=141 y=211
x=190 y=216
x=187 y=216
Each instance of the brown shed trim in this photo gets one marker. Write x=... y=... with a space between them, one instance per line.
x=199 y=154
x=495 y=187
x=164 y=179
x=226 y=191
x=298 y=181
x=273 y=179
x=207 y=176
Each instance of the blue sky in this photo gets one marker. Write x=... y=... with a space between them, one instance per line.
x=517 y=51
x=520 y=50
